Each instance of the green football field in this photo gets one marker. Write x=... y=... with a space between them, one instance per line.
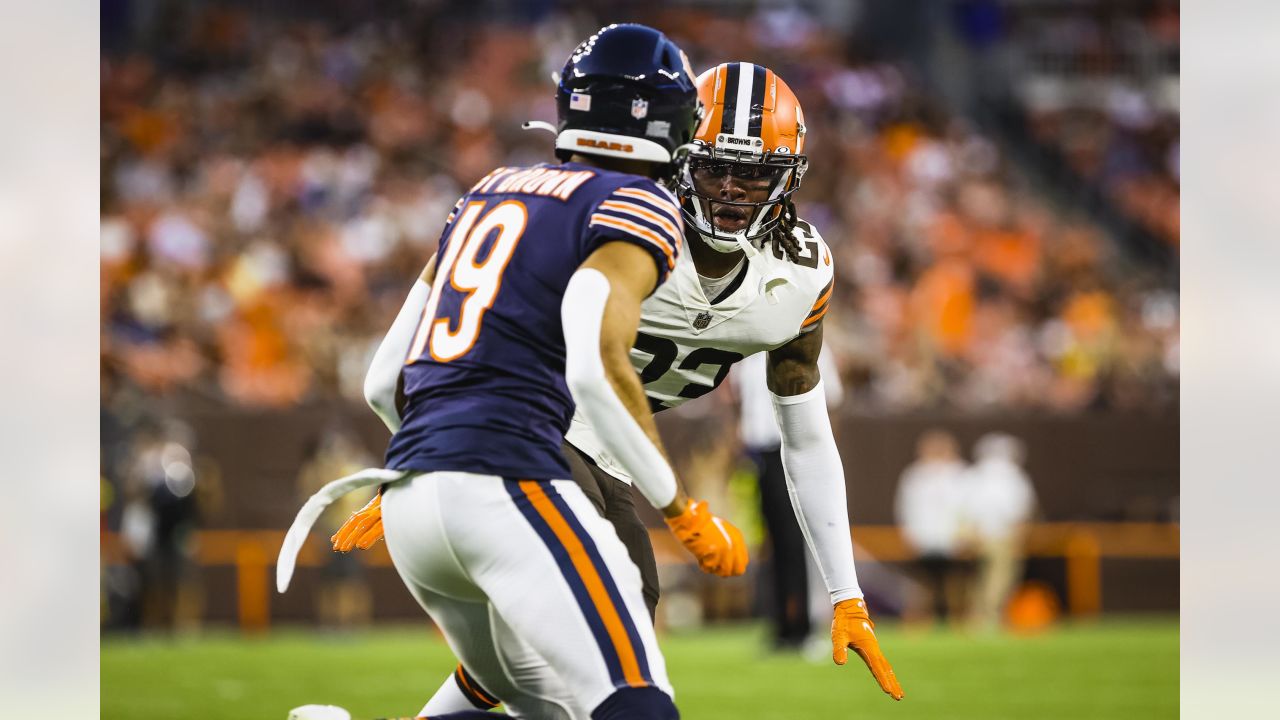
x=1112 y=669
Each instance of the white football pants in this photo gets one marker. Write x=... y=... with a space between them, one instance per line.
x=533 y=590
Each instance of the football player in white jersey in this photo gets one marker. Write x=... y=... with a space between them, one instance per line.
x=753 y=278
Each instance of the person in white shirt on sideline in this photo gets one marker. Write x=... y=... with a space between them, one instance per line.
x=930 y=513
x=999 y=500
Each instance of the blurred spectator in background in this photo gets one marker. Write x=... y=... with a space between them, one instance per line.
x=930 y=509
x=1098 y=84
x=784 y=570
x=999 y=500
x=343 y=600
x=160 y=515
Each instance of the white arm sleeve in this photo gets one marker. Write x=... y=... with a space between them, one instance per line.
x=388 y=360
x=830 y=378
x=815 y=479
x=581 y=313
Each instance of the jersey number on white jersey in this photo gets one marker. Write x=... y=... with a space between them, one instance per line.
x=808 y=255
x=664 y=352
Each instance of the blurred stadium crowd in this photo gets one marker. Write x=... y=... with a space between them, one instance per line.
x=1101 y=89
x=272 y=182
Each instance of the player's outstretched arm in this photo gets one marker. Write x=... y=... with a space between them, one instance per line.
x=383 y=378
x=600 y=314
x=816 y=478
x=381 y=391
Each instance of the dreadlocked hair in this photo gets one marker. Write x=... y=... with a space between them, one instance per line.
x=781 y=236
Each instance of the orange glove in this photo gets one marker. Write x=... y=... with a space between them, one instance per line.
x=362 y=529
x=718 y=545
x=852 y=628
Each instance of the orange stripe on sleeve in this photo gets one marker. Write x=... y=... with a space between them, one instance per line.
x=590 y=578
x=824 y=297
x=815 y=317
x=638 y=231
x=664 y=204
x=643 y=213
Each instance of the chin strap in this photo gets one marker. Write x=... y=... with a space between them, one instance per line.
x=769 y=282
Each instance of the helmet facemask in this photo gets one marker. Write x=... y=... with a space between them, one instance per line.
x=776 y=174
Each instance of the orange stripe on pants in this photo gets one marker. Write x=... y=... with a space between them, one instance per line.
x=590 y=579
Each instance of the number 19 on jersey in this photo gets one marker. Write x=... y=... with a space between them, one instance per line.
x=478 y=279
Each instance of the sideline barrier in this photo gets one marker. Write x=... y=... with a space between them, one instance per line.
x=1083 y=546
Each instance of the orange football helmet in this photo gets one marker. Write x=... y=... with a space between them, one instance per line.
x=752 y=128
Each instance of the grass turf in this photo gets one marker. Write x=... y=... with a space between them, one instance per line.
x=1114 y=669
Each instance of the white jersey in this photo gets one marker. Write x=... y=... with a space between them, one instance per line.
x=686 y=345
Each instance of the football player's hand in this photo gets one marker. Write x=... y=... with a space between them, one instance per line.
x=362 y=529
x=852 y=628
x=715 y=542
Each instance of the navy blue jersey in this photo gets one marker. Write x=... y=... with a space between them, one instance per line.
x=484 y=379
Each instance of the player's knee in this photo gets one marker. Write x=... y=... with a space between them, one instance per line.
x=645 y=703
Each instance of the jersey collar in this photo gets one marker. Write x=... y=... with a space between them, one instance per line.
x=697 y=307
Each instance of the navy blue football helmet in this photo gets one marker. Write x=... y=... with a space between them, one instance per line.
x=627 y=92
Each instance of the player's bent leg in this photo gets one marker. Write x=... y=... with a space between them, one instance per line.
x=423 y=555
x=612 y=498
x=580 y=470
x=517 y=673
x=620 y=511
x=587 y=616
x=527 y=670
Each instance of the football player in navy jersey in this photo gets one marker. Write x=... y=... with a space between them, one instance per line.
x=531 y=305
x=755 y=279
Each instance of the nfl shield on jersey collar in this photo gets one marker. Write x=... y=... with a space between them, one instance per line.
x=791 y=285
x=697 y=309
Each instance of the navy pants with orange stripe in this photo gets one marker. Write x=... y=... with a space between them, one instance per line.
x=534 y=592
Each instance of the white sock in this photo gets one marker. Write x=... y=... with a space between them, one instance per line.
x=449 y=698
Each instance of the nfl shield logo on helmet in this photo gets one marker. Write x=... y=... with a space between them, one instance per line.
x=639 y=108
